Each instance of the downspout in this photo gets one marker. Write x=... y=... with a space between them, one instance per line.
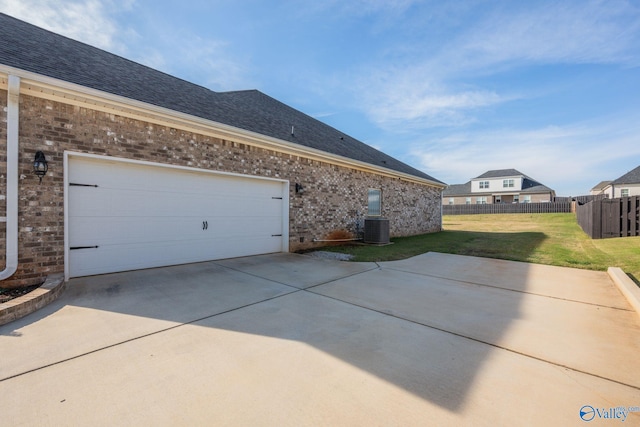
x=13 y=105
x=442 y=210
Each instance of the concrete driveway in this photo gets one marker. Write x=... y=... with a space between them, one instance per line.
x=288 y=339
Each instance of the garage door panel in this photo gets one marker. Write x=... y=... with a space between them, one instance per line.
x=141 y=216
x=126 y=257
x=121 y=175
x=111 y=231
x=89 y=231
x=113 y=202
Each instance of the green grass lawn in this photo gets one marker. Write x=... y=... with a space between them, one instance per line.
x=554 y=239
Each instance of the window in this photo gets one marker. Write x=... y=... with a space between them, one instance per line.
x=516 y=198
x=451 y=200
x=484 y=184
x=481 y=200
x=507 y=183
x=498 y=199
x=374 y=202
x=527 y=199
x=467 y=201
x=624 y=192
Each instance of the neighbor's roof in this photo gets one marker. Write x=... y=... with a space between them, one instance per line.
x=36 y=50
x=458 y=190
x=500 y=173
x=631 y=177
x=601 y=186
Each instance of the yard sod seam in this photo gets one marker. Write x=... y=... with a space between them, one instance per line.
x=466 y=282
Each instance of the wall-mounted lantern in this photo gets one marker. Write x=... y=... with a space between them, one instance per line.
x=40 y=166
x=299 y=188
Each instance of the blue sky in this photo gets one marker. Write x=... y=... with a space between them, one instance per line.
x=454 y=88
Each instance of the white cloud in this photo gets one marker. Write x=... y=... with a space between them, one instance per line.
x=558 y=32
x=442 y=88
x=414 y=98
x=570 y=159
x=98 y=23
x=207 y=62
x=88 y=21
x=355 y=8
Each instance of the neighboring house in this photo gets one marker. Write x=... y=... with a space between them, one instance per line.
x=600 y=188
x=146 y=170
x=625 y=186
x=498 y=186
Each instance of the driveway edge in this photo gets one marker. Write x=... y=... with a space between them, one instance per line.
x=627 y=286
x=34 y=300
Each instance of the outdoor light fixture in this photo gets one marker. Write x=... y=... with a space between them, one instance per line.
x=299 y=188
x=40 y=166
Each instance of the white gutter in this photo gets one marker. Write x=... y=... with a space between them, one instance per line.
x=13 y=105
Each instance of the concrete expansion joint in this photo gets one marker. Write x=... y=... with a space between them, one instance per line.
x=97 y=350
x=255 y=275
x=342 y=277
x=466 y=282
x=540 y=359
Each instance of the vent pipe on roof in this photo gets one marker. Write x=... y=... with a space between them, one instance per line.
x=13 y=105
x=292 y=133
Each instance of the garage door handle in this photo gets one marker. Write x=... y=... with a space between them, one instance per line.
x=73 y=248
x=205 y=225
x=75 y=184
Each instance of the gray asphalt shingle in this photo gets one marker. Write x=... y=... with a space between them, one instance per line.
x=631 y=177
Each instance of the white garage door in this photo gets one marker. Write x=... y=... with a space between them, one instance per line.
x=126 y=216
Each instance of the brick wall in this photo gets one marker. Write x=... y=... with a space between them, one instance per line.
x=334 y=197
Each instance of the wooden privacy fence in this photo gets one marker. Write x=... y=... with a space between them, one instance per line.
x=602 y=219
x=499 y=208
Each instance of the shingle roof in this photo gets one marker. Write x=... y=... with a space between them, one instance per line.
x=631 y=177
x=34 y=49
x=601 y=185
x=534 y=187
x=457 y=189
x=500 y=173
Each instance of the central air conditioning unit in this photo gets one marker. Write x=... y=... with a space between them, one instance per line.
x=376 y=230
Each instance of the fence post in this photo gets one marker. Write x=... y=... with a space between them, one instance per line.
x=634 y=216
x=624 y=216
x=597 y=219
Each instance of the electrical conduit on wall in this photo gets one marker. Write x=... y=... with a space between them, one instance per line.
x=13 y=105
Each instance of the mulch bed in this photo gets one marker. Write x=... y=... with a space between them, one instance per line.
x=9 y=294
